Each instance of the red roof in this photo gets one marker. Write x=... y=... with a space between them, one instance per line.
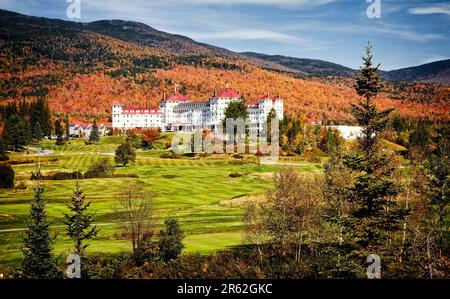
x=176 y=97
x=135 y=110
x=228 y=93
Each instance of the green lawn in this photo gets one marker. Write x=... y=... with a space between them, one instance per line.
x=189 y=189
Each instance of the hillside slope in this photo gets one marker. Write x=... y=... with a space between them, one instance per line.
x=434 y=72
x=85 y=68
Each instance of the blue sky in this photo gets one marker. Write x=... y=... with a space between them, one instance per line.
x=408 y=33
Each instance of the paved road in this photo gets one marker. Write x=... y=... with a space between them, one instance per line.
x=43 y=152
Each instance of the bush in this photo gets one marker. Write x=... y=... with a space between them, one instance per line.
x=125 y=154
x=21 y=186
x=126 y=175
x=235 y=175
x=170 y=155
x=61 y=175
x=6 y=176
x=58 y=175
x=102 y=168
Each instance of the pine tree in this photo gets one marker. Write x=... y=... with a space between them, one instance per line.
x=438 y=172
x=236 y=110
x=94 y=137
x=3 y=153
x=272 y=115
x=38 y=262
x=15 y=134
x=67 y=127
x=37 y=132
x=59 y=133
x=170 y=240
x=79 y=221
x=374 y=214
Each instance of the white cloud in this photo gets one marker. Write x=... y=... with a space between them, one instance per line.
x=433 y=9
x=259 y=2
x=246 y=35
x=408 y=34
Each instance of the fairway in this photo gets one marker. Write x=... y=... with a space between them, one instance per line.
x=192 y=190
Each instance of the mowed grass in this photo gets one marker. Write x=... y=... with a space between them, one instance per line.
x=190 y=190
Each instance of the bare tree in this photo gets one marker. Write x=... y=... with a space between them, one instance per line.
x=135 y=206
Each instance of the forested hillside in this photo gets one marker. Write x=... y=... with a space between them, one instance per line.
x=84 y=68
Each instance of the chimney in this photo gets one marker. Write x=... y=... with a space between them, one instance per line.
x=215 y=93
x=164 y=96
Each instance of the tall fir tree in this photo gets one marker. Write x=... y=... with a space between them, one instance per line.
x=67 y=127
x=374 y=214
x=79 y=221
x=15 y=132
x=3 y=153
x=94 y=137
x=437 y=168
x=59 y=133
x=40 y=113
x=37 y=132
x=38 y=262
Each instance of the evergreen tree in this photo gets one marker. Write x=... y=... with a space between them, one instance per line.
x=438 y=172
x=124 y=154
x=6 y=176
x=170 y=240
x=329 y=142
x=40 y=113
x=79 y=221
x=67 y=127
x=94 y=137
x=374 y=214
x=235 y=110
x=37 y=132
x=272 y=115
x=15 y=132
x=59 y=133
x=38 y=262
x=3 y=152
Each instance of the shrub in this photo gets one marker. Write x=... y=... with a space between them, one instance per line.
x=21 y=186
x=61 y=175
x=235 y=175
x=102 y=168
x=58 y=175
x=125 y=154
x=170 y=155
x=6 y=176
x=126 y=175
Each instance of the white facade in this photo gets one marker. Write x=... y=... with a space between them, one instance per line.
x=348 y=132
x=176 y=113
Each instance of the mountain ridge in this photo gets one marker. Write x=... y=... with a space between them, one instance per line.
x=147 y=36
x=83 y=68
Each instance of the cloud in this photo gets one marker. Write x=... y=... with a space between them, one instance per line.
x=408 y=34
x=259 y=2
x=247 y=35
x=433 y=9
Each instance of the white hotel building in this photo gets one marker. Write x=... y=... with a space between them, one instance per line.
x=176 y=113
